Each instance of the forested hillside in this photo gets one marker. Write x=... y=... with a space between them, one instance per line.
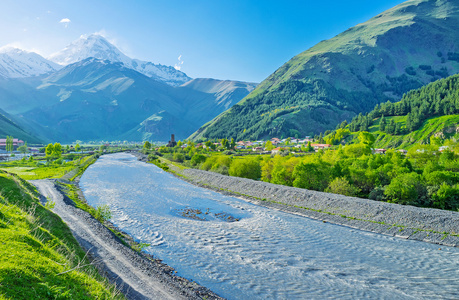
x=431 y=111
x=401 y=49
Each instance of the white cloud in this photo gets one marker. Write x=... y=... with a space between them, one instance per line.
x=178 y=66
x=65 y=21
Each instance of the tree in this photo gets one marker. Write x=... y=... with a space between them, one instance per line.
x=390 y=128
x=9 y=144
x=269 y=146
x=366 y=138
x=57 y=150
x=23 y=149
x=225 y=143
x=382 y=124
x=406 y=189
x=246 y=168
x=77 y=147
x=447 y=197
x=341 y=186
x=208 y=144
x=309 y=176
x=232 y=144
x=49 y=150
x=147 y=145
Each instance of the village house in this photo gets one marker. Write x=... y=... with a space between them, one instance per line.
x=320 y=146
x=443 y=148
x=403 y=151
x=276 y=150
x=380 y=151
x=16 y=143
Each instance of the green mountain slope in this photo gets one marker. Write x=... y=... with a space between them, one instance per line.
x=9 y=128
x=431 y=111
x=401 y=49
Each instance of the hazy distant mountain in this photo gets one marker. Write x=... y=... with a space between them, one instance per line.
x=8 y=127
x=98 y=47
x=225 y=91
x=17 y=63
x=96 y=99
x=401 y=49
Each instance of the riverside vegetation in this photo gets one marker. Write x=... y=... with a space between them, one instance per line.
x=39 y=257
x=423 y=177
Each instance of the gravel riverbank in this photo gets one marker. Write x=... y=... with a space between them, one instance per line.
x=409 y=222
x=403 y=221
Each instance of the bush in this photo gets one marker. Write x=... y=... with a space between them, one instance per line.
x=246 y=168
x=377 y=194
x=407 y=189
x=447 y=197
x=103 y=213
x=178 y=157
x=341 y=186
x=198 y=159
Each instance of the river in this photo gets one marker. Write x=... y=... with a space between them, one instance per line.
x=243 y=251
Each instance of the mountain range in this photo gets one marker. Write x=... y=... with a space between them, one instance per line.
x=92 y=91
x=398 y=50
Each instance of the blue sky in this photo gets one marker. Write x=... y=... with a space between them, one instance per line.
x=225 y=39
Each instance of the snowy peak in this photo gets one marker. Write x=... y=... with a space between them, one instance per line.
x=17 y=63
x=89 y=46
x=97 y=46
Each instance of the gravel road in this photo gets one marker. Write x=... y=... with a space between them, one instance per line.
x=136 y=276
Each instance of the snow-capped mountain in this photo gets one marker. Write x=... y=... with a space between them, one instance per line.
x=97 y=46
x=17 y=63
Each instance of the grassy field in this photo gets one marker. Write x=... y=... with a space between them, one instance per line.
x=33 y=170
x=39 y=257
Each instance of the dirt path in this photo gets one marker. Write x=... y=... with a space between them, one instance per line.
x=137 y=277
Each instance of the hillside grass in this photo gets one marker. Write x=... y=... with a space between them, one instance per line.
x=39 y=257
x=422 y=135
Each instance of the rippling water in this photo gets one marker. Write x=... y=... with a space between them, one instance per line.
x=267 y=254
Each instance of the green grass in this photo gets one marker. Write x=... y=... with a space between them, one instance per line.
x=39 y=257
x=33 y=173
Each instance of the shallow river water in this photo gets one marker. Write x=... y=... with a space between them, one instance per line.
x=243 y=251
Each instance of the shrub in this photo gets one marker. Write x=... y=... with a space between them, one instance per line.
x=341 y=186
x=198 y=159
x=246 y=168
x=178 y=157
x=447 y=197
x=406 y=189
x=103 y=213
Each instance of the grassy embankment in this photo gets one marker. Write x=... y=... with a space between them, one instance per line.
x=39 y=257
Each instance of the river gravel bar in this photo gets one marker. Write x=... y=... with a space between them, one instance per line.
x=403 y=221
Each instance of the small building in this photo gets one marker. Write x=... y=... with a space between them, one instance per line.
x=16 y=143
x=380 y=151
x=257 y=149
x=443 y=148
x=403 y=151
x=320 y=146
x=276 y=150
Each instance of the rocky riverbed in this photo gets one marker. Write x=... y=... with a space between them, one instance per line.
x=409 y=222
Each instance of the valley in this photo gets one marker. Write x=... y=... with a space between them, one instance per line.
x=323 y=164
